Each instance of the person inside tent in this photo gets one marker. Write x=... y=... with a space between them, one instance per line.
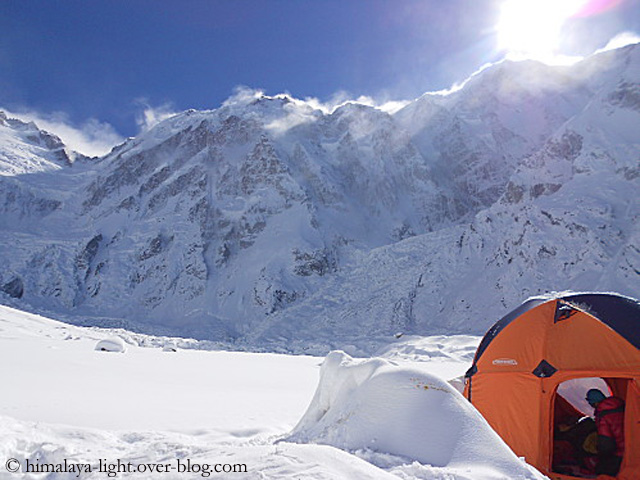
x=609 y=415
x=574 y=440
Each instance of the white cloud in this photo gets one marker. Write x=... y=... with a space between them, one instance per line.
x=92 y=138
x=621 y=40
x=151 y=116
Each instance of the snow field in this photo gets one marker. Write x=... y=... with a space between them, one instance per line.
x=52 y=374
x=369 y=419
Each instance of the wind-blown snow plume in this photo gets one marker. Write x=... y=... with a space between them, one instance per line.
x=621 y=40
x=150 y=116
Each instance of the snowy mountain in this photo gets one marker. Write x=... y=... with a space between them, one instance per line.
x=24 y=148
x=268 y=224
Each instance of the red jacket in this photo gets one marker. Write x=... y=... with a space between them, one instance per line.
x=610 y=422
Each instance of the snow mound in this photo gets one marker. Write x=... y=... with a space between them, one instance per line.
x=111 y=344
x=377 y=408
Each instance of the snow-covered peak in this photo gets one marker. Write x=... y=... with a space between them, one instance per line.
x=24 y=148
x=612 y=66
x=270 y=223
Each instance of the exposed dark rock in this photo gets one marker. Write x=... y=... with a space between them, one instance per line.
x=14 y=288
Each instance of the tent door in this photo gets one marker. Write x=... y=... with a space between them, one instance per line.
x=574 y=436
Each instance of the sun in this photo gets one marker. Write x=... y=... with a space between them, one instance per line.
x=531 y=28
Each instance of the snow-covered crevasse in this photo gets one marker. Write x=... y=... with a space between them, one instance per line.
x=379 y=409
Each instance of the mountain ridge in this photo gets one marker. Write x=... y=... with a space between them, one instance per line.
x=268 y=223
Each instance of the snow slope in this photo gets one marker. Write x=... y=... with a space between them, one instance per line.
x=24 y=148
x=63 y=400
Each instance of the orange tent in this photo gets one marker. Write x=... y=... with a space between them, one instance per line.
x=525 y=356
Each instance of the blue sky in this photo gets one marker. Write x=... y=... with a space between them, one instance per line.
x=97 y=65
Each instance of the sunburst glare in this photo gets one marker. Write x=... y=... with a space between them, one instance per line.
x=531 y=28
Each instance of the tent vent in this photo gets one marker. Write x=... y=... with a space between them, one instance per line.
x=544 y=369
x=563 y=311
